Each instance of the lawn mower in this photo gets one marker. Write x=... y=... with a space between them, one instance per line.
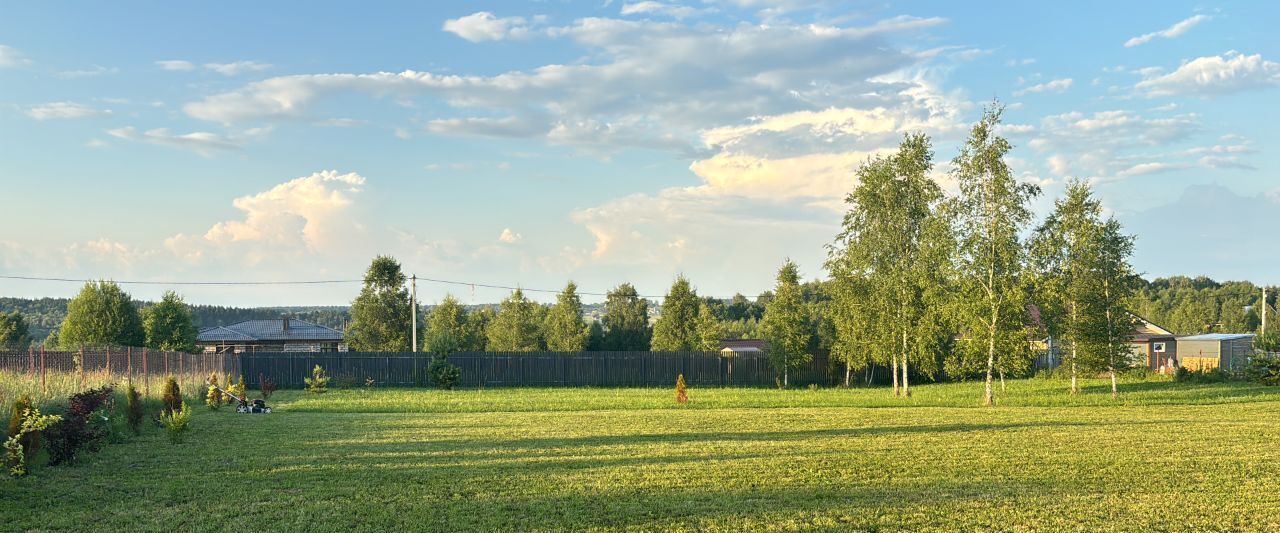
x=244 y=405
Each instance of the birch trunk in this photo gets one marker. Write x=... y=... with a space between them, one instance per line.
x=895 y=374
x=906 y=384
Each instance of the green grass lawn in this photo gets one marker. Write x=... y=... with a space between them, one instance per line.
x=1168 y=456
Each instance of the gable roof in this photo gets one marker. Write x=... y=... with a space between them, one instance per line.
x=1217 y=337
x=269 y=330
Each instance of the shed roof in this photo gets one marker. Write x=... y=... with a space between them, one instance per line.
x=269 y=330
x=1217 y=337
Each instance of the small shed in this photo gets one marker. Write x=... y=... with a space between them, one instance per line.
x=1153 y=345
x=1227 y=351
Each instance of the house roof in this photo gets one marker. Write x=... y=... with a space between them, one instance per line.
x=1217 y=337
x=738 y=345
x=269 y=330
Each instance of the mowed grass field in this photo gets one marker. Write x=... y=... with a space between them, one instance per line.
x=1167 y=456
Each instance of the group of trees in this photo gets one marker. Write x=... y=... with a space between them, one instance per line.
x=929 y=282
x=102 y=314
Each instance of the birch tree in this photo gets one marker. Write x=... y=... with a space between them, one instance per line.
x=990 y=213
x=677 y=327
x=895 y=243
x=565 y=329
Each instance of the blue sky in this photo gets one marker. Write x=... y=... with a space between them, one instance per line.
x=532 y=143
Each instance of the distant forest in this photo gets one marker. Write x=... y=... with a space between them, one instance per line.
x=1182 y=304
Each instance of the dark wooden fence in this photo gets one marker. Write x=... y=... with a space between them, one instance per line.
x=530 y=369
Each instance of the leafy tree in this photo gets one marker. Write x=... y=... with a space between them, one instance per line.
x=565 y=329
x=101 y=315
x=518 y=325
x=1083 y=278
x=894 y=237
x=477 y=329
x=626 y=320
x=708 y=329
x=786 y=323
x=596 y=338
x=13 y=330
x=168 y=324
x=381 y=318
x=447 y=327
x=990 y=214
x=677 y=327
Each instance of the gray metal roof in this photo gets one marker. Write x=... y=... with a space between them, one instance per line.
x=269 y=330
x=1216 y=337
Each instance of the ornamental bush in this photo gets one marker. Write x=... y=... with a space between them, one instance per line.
x=172 y=395
x=213 y=398
x=74 y=434
x=443 y=374
x=267 y=386
x=1263 y=370
x=29 y=440
x=682 y=392
x=133 y=408
x=177 y=423
x=15 y=453
x=318 y=383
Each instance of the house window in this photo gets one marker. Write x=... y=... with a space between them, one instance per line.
x=302 y=347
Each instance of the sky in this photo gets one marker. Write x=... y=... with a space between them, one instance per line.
x=532 y=143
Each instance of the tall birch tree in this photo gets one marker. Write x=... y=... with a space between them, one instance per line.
x=989 y=215
x=786 y=323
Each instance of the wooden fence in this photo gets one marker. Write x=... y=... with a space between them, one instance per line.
x=530 y=369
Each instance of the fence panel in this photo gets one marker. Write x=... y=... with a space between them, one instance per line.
x=528 y=369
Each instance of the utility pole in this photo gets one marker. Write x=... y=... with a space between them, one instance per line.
x=413 y=302
x=1264 y=310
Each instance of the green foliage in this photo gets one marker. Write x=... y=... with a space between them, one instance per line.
x=444 y=375
x=989 y=216
x=168 y=324
x=381 y=317
x=517 y=327
x=708 y=329
x=213 y=397
x=1267 y=342
x=171 y=395
x=786 y=323
x=266 y=386
x=565 y=330
x=177 y=423
x=101 y=315
x=133 y=408
x=596 y=337
x=626 y=320
x=24 y=440
x=318 y=383
x=1264 y=369
x=1189 y=306
x=446 y=327
x=477 y=337
x=677 y=327
x=13 y=330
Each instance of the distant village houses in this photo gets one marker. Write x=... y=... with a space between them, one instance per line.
x=276 y=335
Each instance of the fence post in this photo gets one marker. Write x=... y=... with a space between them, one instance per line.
x=166 y=363
x=81 y=369
x=146 y=377
x=43 y=385
x=108 y=363
x=128 y=359
x=31 y=363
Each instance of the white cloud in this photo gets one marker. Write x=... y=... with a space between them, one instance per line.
x=1057 y=86
x=510 y=237
x=1020 y=62
x=1175 y=30
x=97 y=70
x=237 y=68
x=65 y=110
x=759 y=70
x=1213 y=75
x=303 y=215
x=10 y=57
x=484 y=26
x=96 y=143
x=203 y=143
x=176 y=64
x=1151 y=167
x=650 y=7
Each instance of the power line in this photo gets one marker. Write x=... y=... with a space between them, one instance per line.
x=335 y=281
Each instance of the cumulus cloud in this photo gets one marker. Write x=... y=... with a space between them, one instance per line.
x=1213 y=75
x=306 y=214
x=509 y=237
x=10 y=57
x=202 y=142
x=485 y=26
x=65 y=110
x=1171 y=32
x=1056 y=86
